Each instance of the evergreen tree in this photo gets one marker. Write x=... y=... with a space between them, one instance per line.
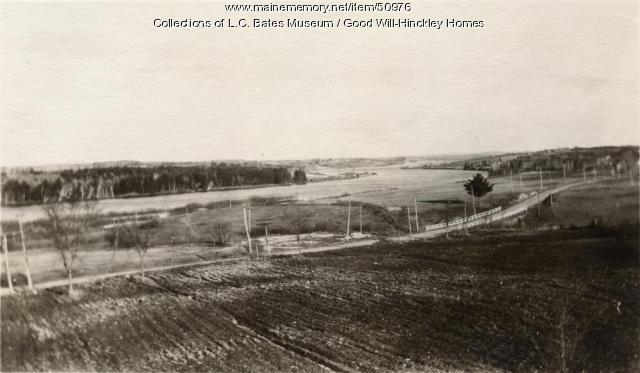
x=478 y=186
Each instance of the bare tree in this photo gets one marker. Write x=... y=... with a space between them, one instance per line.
x=299 y=221
x=70 y=226
x=139 y=236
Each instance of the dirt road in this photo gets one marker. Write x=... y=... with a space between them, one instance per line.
x=507 y=213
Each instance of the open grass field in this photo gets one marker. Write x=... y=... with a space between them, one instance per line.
x=609 y=203
x=501 y=300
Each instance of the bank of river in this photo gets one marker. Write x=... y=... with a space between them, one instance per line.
x=390 y=186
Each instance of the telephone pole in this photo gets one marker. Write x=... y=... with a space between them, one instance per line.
x=473 y=201
x=520 y=176
x=466 y=229
x=348 y=220
x=26 y=258
x=246 y=228
x=409 y=221
x=540 y=172
x=265 y=222
x=6 y=262
x=511 y=178
x=415 y=202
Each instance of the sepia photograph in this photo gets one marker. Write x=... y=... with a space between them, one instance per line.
x=319 y=186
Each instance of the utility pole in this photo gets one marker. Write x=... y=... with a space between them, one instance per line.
x=348 y=220
x=115 y=242
x=409 y=221
x=584 y=173
x=360 y=219
x=264 y=222
x=540 y=172
x=266 y=240
x=473 y=201
x=446 y=226
x=520 y=176
x=511 y=178
x=539 y=203
x=564 y=174
x=246 y=228
x=173 y=253
x=6 y=261
x=26 y=257
x=466 y=229
x=415 y=202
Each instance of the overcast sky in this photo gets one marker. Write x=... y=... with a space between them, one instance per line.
x=90 y=81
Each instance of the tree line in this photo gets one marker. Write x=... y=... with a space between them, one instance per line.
x=113 y=182
x=620 y=159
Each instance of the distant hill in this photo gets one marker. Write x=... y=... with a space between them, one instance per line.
x=609 y=159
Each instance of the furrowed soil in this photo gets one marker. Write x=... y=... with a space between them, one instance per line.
x=498 y=300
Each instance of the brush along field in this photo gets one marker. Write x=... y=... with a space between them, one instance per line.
x=188 y=238
x=499 y=300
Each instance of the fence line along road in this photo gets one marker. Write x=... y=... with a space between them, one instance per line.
x=491 y=215
x=433 y=227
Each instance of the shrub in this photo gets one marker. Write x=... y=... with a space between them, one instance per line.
x=222 y=232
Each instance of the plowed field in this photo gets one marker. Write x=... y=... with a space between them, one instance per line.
x=497 y=301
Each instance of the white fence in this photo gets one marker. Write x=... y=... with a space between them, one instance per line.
x=479 y=219
x=462 y=221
